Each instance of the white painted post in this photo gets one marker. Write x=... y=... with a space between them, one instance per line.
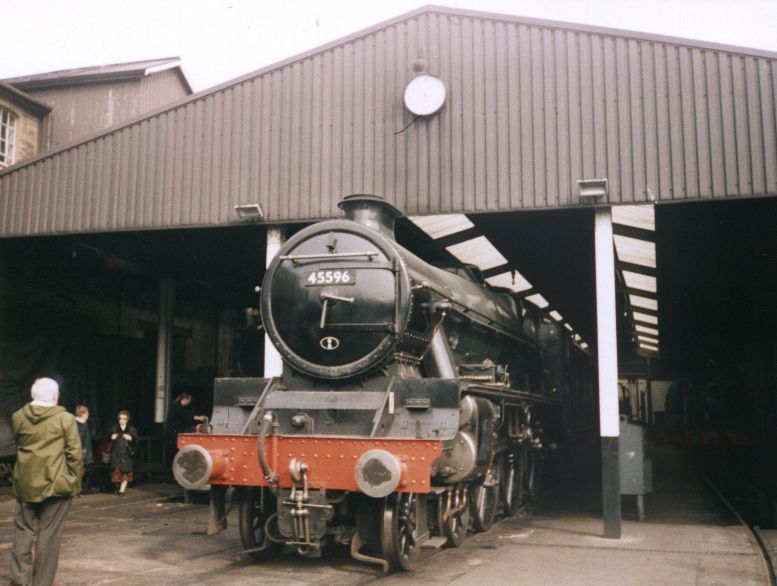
x=605 y=324
x=273 y=365
x=607 y=351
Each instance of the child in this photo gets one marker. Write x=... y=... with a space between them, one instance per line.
x=82 y=418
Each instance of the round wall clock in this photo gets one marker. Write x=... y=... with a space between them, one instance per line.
x=424 y=95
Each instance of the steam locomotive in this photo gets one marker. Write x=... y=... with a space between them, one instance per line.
x=409 y=405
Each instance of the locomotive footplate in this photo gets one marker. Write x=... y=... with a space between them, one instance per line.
x=333 y=463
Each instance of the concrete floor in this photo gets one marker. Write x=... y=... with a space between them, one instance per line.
x=147 y=538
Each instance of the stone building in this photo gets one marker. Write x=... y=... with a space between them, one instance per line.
x=21 y=118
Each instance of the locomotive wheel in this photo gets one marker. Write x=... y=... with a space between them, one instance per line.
x=454 y=527
x=256 y=506
x=485 y=499
x=531 y=485
x=399 y=531
x=513 y=480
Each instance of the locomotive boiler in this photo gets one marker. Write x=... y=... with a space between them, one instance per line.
x=407 y=411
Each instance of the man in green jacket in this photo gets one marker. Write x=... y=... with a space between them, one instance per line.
x=47 y=474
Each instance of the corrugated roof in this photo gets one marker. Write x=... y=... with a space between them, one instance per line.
x=533 y=106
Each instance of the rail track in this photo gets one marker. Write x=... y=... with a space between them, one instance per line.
x=754 y=534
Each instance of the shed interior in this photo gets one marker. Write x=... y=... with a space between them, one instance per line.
x=85 y=308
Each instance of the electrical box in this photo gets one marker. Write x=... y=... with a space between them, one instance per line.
x=636 y=470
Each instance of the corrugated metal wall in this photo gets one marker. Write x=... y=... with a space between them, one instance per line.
x=531 y=109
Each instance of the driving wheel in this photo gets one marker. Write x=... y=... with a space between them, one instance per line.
x=485 y=499
x=513 y=480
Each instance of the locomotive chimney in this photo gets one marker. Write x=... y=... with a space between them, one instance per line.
x=372 y=211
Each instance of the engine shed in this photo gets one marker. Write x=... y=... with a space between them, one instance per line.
x=623 y=183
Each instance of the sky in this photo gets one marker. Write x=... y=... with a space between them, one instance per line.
x=219 y=40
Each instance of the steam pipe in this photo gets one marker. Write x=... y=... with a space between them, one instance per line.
x=264 y=427
x=440 y=354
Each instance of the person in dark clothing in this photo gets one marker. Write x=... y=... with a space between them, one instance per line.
x=124 y=442
x=46 y=476
x=82 y=420
x=180 y=419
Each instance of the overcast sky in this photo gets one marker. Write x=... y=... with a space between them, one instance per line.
x=222 y=39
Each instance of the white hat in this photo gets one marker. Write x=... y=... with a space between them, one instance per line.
x=45 y=392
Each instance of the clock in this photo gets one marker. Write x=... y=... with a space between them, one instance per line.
x=424 y=95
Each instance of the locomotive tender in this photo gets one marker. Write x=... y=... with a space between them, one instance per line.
x=406 y=411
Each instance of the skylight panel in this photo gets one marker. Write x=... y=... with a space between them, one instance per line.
x=569 y=327
x=538 y=300
x=479 y=252
x=584 y=345
x=638 y=281
x=506 y=280
x=577 y=337
x=640 y=252
x=646 y=330
x=635 y=251
x=646 y=318
x=555 y=315
x=443 y=225
x=643 y=302
x=642 y=216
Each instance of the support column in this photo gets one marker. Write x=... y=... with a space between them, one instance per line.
x=609 y=423
x=273 y=365
x=649 y=391
x=164 y=349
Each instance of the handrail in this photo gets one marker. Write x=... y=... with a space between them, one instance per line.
x=328 y=256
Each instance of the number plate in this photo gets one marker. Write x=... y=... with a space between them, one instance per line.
x=331 y=277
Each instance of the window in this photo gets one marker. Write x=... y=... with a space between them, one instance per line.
x=7 y=131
